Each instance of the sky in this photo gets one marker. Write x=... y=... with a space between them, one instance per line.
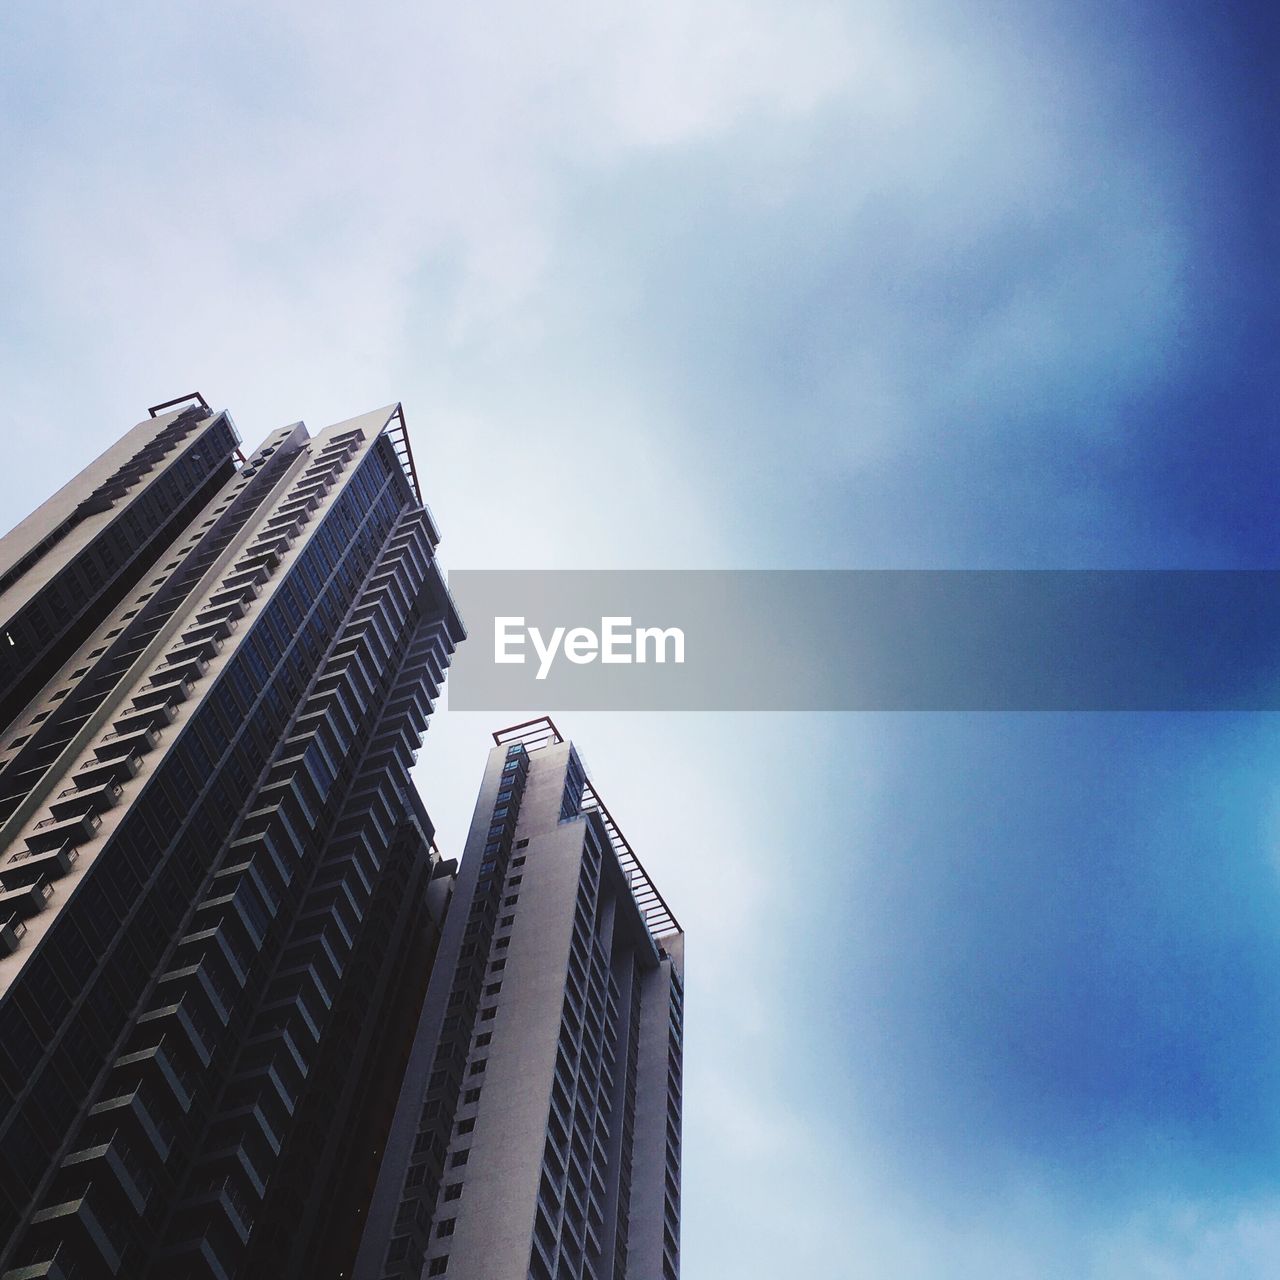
x=743 y=284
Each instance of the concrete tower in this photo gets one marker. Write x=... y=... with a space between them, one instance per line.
x=537 y=1134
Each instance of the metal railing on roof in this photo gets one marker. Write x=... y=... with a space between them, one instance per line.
x=533 y=734
x=192 y=397
x=653 y=906
x=659 y=917
x=398 y=433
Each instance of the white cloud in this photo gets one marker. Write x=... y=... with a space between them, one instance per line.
x=309 y=209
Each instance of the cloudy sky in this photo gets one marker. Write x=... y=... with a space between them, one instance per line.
x=736 y=283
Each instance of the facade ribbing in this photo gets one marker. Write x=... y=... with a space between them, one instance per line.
x=220 y=898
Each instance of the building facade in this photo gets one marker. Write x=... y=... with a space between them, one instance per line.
x=537 y=1135
x=219 y=894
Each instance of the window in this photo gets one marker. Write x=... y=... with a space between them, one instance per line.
x=438 y=1266
x=446 y=1227
x=487 y=1015
x=478 y=1067
x=465 y=1126
x=506 y=920
x=483 y=1039
x=518 y=862
x=521 y=844
x=510 y=901
x=515 y=880
x=459 y=1158
x=493 y=988
x=453 y=1191
x=471 y=1095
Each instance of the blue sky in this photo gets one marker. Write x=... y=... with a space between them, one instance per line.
x=760 y=285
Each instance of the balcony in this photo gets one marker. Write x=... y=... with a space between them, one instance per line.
x=240 y=595
x=140 y=1122
x=242 y=579
x=128 y=1178
x=259 y=561
x=213 y=629
x=187 y=1030
x=77 y=1222
x=158 y=716
x=298 y=507
x=229 y=611
x=54 y=833
x=177 y=691
x=189 y=671
x=337 y=450
x=206 y=648
x=233 y=1202
x=273 y=540
x=85 y=800
x=62 y=1265
x=25 y=869
x=285 y=525
x=26 y=902
x=116 y=769
x=158 y=1064
x=137 y=743
x=11 y=931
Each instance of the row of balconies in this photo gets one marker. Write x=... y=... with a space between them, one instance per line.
x=211 y=628
x=226 y=599
x=341 y=446
x=75 y=814
x=108 y=1180
x=143 y=462
x=226 y=914
x=300 y=509
x=310 y=490
x=241 y=579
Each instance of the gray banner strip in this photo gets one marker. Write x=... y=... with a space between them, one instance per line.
x=868 y=640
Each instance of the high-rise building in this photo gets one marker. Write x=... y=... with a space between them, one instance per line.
x=537 y=1135
x=219 y=895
